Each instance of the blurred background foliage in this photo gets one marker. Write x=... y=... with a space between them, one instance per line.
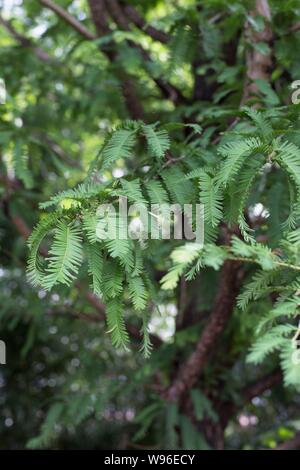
x=64 y=385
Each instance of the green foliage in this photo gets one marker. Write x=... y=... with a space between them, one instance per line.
x=120 y=145
x=38 y=234
x=137 y=292
x=65 y=256
x=211 y=197
x=20 y=161
x=257 y=287
x=95 y=266
x=158 y=140
x=234 y=155
x=154 y=111
x=180 y=189
x=48 y=427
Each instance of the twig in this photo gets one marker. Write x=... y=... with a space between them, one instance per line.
x=27 y=43
x=224 y=302
x=292 y=444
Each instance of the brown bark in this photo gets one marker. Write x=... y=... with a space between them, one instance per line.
x=99 y=16
x=77 y=25
x=26 y=43
x=118 y=14
x=292 y=444
x=227 y=410
x=24 y=231
x=258 y=64
x=139 y=21
x=224 y=303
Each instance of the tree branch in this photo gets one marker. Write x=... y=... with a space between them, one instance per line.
x=25 y=42
x=97 y=318
x=139 y=21
x=224 y=303
x=292 y=444
x=99 y=16
x=295 y=27
x=77 y=25
x=169 y=91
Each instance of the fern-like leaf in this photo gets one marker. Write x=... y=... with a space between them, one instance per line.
x=137 y=292
x=268 y=343
x=211 y=197
x=234 y=154
x=180 y=189
x=157 y=193
x=288 y=157
x=65 y=256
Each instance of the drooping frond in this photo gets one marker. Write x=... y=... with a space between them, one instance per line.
x=181 y=47
x=182 y=257
x=89 y=224
x=132 y=189
x=118 y=247
x=146 y=346
x=65 y=255
x=211 y=197
x=290 y=363
x=34 y=265
x=237 y=195
x=113 y=276
x=20 y=162
x=71 y=198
